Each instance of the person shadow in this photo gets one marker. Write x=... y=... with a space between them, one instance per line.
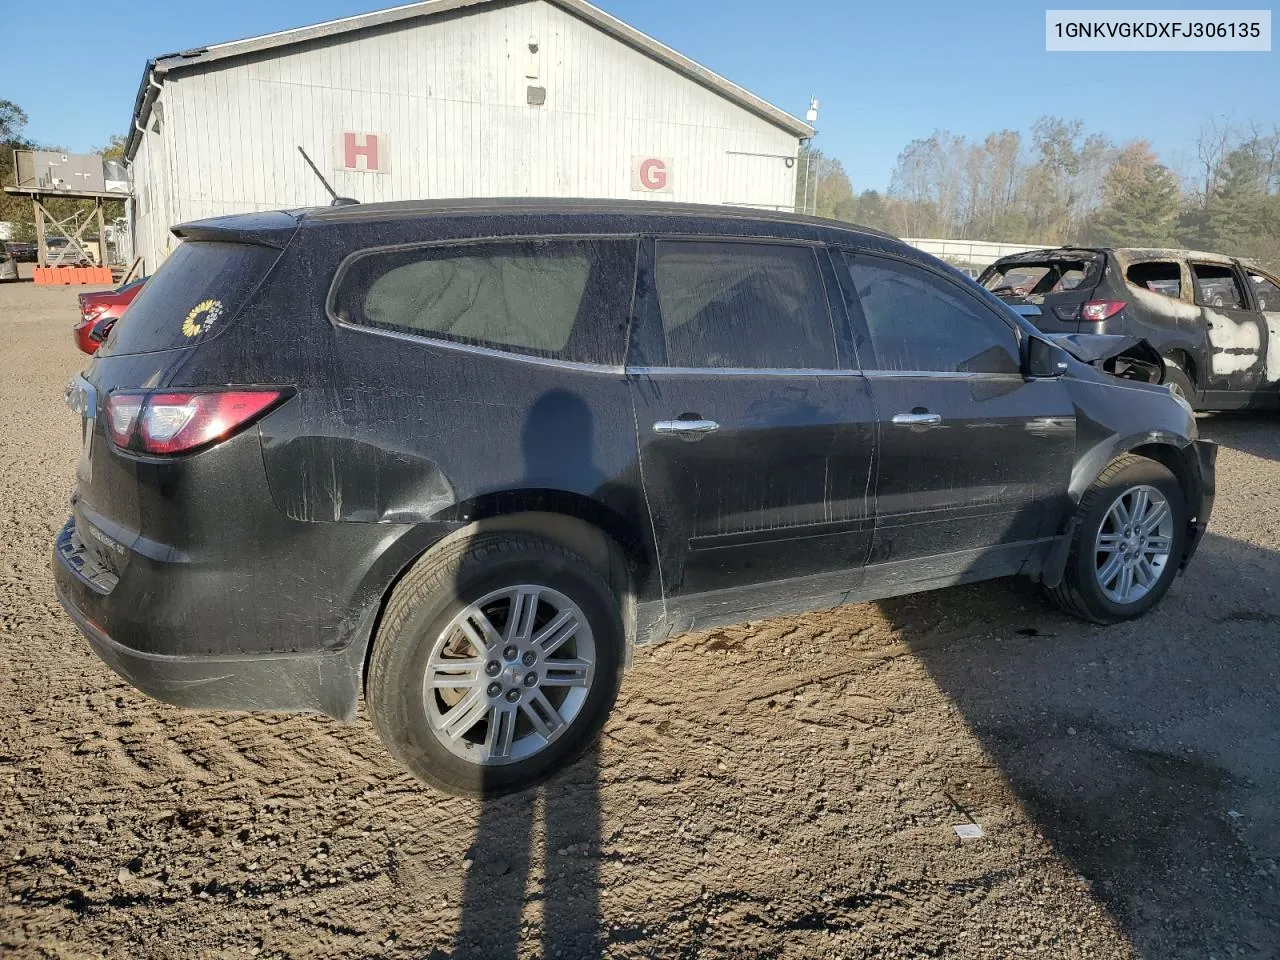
x=1143 y=752
x=513 y=868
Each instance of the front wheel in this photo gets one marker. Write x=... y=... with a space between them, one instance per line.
x=1129 y=538
x=496 y=663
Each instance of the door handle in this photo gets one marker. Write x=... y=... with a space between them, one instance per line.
x=686 y=429
x=916 y=419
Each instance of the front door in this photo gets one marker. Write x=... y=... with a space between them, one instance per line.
x=975 y=459
x=756 y=441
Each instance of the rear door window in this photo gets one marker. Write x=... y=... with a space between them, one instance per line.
x=565 y=299
x=743 y=305
x=195 y=294
x=1217 y=286
x=919 y=322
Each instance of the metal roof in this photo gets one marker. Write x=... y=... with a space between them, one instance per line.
x=202 y=56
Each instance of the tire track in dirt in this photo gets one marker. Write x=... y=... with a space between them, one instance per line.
x=781 y=789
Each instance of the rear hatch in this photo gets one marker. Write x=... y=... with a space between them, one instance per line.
x=196 y=295
x=1047 y=287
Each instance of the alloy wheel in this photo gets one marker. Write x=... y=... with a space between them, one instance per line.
x=508 y=674
x=1133 y=545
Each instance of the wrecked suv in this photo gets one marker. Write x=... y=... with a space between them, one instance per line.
x=1214 y=320
x=459 y=458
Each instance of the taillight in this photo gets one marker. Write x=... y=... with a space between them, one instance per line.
x=1101 y=309
x=178 y=422
x=122 y=414
x=88 y=314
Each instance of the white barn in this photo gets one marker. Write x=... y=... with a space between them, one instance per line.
x=447 y=98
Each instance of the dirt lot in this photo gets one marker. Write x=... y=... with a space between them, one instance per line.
x=783 y=790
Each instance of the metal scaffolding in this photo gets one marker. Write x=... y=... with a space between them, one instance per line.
x=72 y=228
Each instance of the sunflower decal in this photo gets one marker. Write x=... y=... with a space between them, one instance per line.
x=202 y=316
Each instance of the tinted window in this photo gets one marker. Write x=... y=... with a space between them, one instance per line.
x=920 y=322
x=196 y=293
x=1267 y=291
x=743 y=305
x=1163 y=278
x=565 y=299
x=1216 y=286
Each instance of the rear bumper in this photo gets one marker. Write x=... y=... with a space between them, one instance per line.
x=1206 y=452
x=320 y=681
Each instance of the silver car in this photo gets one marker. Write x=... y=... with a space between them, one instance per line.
x=8 y=263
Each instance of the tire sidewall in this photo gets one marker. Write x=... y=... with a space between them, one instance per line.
x=400 y=714
x=1175 y=374
x=1148 y=473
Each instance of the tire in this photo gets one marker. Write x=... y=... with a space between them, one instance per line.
x=1080 y=593
x=434 y=618
x=1176 y=377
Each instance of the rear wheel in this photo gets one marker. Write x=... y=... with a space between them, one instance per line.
x=496 y=664
x=1130 y=535
x=1178 y=381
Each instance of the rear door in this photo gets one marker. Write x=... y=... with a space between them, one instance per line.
x=974 y=459
x=1237 y=333
x=756 y=438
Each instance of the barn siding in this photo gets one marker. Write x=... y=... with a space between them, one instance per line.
x=449 y=96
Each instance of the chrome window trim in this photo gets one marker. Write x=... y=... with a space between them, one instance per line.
x=941 y=375
x=743 y=371
x=421 y=339
x=821 y=372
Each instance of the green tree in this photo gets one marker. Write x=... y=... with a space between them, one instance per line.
x=114 y=149
x=822 y=186
x=1140 y=200
x=15 y=210
x=1237 y=214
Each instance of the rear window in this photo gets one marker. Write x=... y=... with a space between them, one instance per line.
x=194 y=295
x=564 y=299
x=1036 y=280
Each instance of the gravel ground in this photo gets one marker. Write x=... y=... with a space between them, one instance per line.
x=786 y=789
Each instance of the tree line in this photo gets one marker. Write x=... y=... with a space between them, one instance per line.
x=1063 y=185
x=1059 y=185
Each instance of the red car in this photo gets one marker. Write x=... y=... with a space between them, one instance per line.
x=98 y=311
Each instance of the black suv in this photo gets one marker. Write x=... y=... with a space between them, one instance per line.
x=461 y=457
x=1215 y=320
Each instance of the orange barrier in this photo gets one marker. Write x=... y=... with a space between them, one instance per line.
x=68 y=276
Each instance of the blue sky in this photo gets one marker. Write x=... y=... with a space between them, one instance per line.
x=886 y=72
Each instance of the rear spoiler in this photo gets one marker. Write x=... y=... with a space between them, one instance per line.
x=272 y=229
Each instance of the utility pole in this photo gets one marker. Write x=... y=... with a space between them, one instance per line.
x=812 y=117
